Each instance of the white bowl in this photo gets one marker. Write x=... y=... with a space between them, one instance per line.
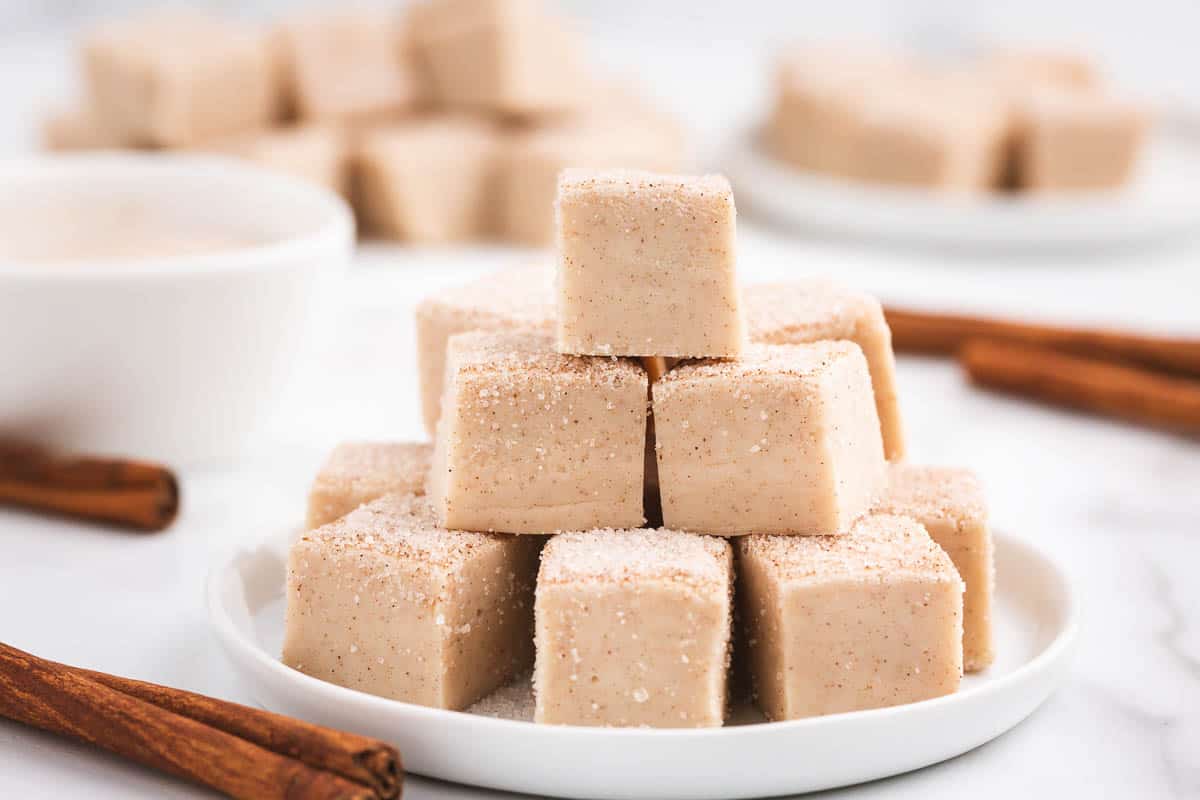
x=1035 y=617
x=178 y=357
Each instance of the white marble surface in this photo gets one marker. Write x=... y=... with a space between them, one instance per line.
x=1120 y=505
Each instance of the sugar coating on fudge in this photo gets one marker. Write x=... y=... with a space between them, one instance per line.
x=848 y=623
x=429 y=179
x=633 y=629
x=647 y=265
x=510 y=299
x=784 y=440
x=813 y=309
x=531 y=441
x=347 y=65
x=950 y=504
x=385 y=601
x=359 y=472
x=174 y=78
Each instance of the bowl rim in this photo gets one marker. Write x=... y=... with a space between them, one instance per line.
x=335 y=228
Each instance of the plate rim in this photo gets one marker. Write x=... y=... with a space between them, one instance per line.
x=1058 y=648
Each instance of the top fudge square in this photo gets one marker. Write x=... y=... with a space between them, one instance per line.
x=177 y=78
x=647 y=265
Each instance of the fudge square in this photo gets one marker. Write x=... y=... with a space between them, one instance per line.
x=519 y=298
x=504 y=56
x=174 y=78
x=784 y=440
x=647 y=265
x=356 y=473
x=386 y=602
x=345 y=65
x=315 y=153
x=633 y=629
x=427 y=180
x=846 y=623
x=951 y=505
x=531 y=441
x=813 y=309
x=1076 y=140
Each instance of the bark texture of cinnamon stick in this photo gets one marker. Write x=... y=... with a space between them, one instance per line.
x=61 y=700
x=132 y=494
x=359 y=758
x=924 y=332
x=1099 y=387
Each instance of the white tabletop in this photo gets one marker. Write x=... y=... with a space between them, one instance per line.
x=1119 y=505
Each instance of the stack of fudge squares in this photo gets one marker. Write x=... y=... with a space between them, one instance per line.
x=1023 y=120
x=643 y=474
x=446 y=122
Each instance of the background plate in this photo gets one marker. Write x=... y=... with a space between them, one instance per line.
x=1164 y=199
x=1035 y=614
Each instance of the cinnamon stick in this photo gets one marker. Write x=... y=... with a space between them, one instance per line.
x=132 y=494
x=359 y=758
x=925 y=332
x=54 y=698
x=1127 y=393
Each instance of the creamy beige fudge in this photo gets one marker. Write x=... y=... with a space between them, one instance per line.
x=633 y=629
x=951 y=505
x=532 y=160
x=847 y=623
x=505 y=56
x=815 y=309
x=345 y=65
x=427 y=180
x=176 y=78
x=386 y=602
x=647 y=265
x=315 y=153
x=1076 y=140
x=819 y=94
x=79 y=129
x=531 y=441
x=356 y=473
x=1028 y=68
x=944 y=133
x=784 y=440
x=521 y=298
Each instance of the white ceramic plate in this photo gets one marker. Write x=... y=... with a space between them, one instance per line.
x=1164 y=199
x=1036 y=618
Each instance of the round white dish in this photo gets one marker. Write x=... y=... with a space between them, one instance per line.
x=173 y=357
x=1164 y=199
x=1036 y=617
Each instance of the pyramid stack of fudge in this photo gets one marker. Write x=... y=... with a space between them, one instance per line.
x=644 y=479
x=447 y=122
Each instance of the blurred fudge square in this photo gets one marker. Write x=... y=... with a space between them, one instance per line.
x=813 y=309
x=79 y=129
x=520 y=298
x=533 y=159
x=784 y=440
x=531 y=441
x=356 y=473
x=819 y=92
x=1029 y=68
x=1071 y=140
x=633 y=629
x=314 y=153
x=428 y=180
x=504 y=56
x=386 y=602
x=950 y=504
x=348 y=65
x=945 y=133
x=175 y=78
x=647 y=265
x=846 y=623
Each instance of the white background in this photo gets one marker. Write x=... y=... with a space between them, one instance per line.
x=1120 y=506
